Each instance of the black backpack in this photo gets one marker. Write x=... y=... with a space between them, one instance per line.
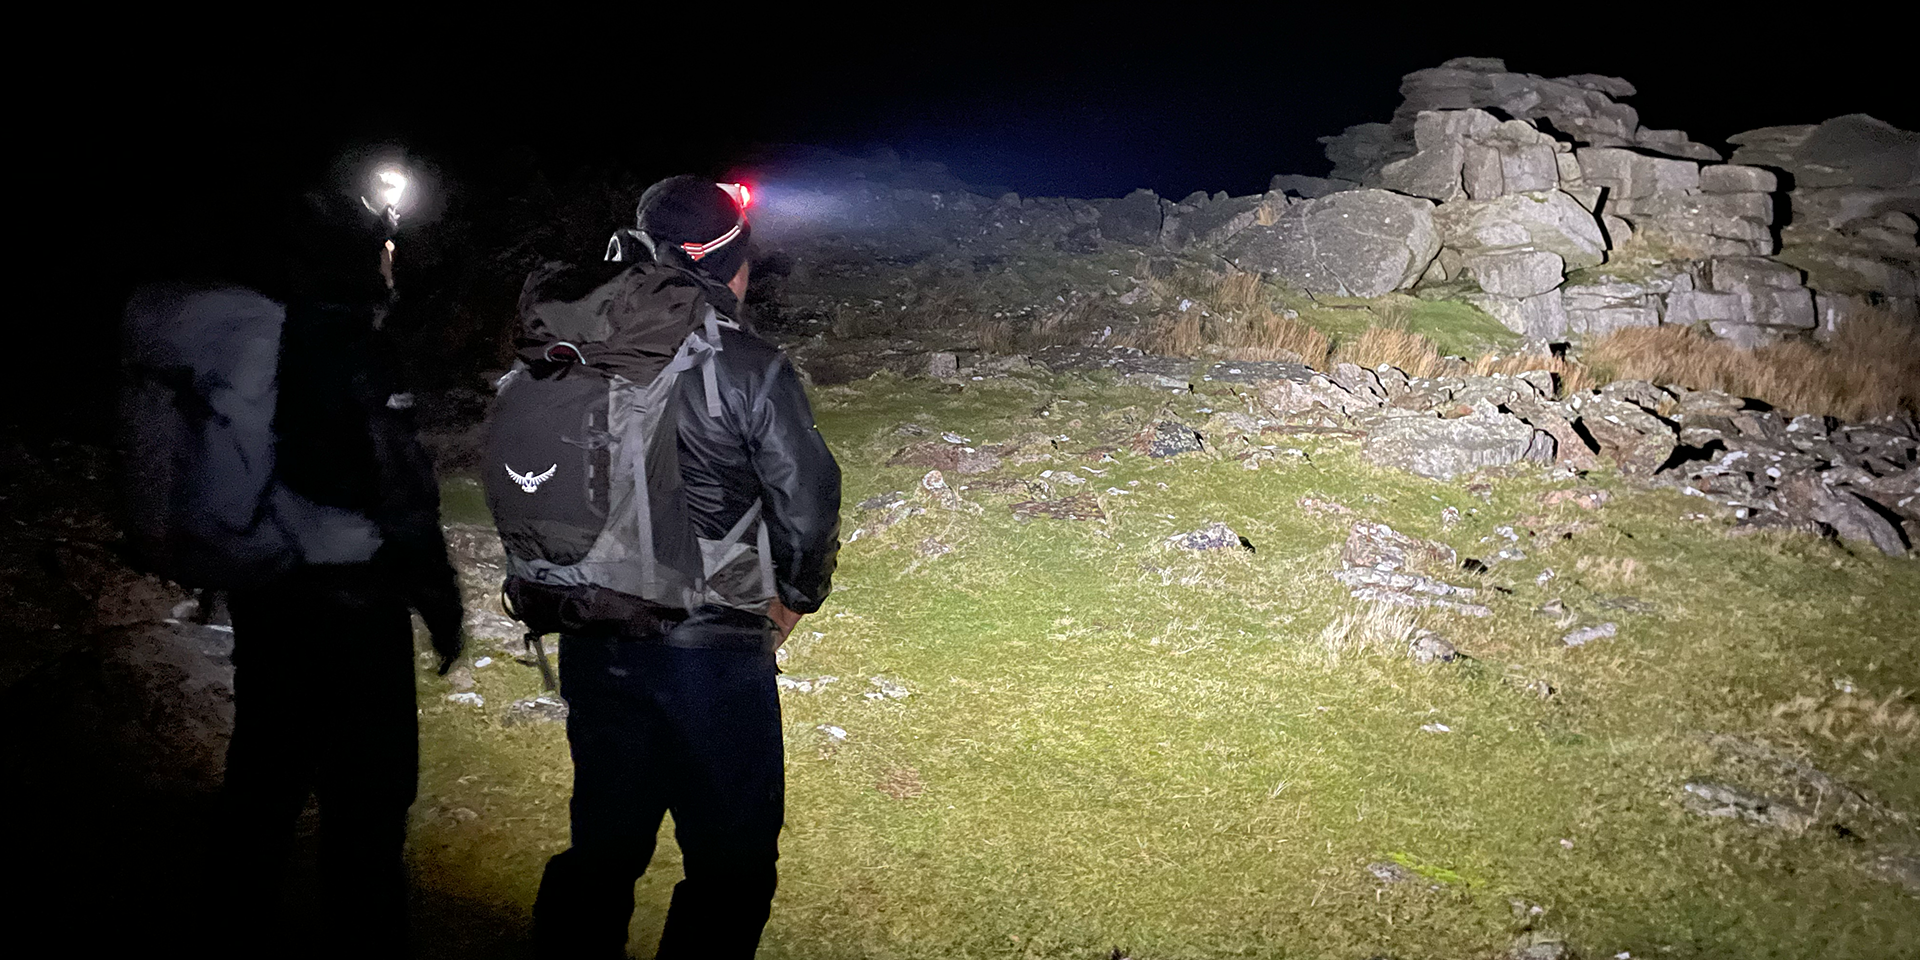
x=582 y=470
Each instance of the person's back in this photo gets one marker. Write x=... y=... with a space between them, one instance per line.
x=344 y=440
x=683 y=715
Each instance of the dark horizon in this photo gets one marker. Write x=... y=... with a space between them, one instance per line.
x=1087 y=113
x=165 y=165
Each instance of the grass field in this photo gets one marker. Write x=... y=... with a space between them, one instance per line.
x=1113 y=743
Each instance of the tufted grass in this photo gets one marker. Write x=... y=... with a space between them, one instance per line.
x=1111 y=743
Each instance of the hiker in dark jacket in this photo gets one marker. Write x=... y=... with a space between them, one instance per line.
x=344 y=438
x=683 y=715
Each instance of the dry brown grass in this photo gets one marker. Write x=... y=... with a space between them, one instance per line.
x=1872 y=366
x=1854 y=718
x=1240 y=323
x=1378 y=629
x=993 y=336
x=1414 y=354
x=1571 y=376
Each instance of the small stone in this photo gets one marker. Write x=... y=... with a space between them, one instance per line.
x=545 y=708
x=468 y=698
x=943 y=365
x=931 y=547
x=804 y=684
x=1586 y=635
x=883 y=501
x=1427 y=646
x=1389 y=872
x=1722 y=800
x=887 y=689
x=1214 y=536
x=1167 y=438
x=1450 y=517
x=1436 y=728
x=1904 y=871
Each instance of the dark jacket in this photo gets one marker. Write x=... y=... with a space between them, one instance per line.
x=346 y=438
x=765 y=447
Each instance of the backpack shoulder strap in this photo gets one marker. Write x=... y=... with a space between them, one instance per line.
x=698 y=351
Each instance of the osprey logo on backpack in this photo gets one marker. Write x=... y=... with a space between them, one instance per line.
x=529 y=482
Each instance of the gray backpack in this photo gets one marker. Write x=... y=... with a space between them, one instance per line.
x=582 y=469
x=203 y=502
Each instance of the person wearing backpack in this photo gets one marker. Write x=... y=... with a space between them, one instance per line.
x=272 y=455
x=668 y=507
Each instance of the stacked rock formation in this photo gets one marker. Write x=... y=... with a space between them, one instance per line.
x=1571 y=181
x=1855 y=197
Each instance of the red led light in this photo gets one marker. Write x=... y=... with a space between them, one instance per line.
x=741 y=194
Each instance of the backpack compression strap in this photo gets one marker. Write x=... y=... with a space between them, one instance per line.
x=764 y=542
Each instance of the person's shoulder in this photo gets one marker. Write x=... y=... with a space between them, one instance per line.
x=744 y=349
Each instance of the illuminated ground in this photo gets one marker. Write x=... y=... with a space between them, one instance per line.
x=1109 y=742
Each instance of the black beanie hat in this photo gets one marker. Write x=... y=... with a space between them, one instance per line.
x=694 y=223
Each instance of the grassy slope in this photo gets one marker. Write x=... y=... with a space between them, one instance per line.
x=1116 y=744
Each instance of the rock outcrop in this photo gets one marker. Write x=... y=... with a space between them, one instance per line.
x=1357 y=243
x=1854 y=197
x=1542 y=201
x=1581 y=108
x=1657 y=231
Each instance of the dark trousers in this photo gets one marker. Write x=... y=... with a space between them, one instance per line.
x=323 y=707
x=652 y=729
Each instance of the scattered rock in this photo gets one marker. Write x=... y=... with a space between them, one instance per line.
x=932 y=547
x=882 y=501
x=1213 y=536
x=830 y=738
x=1903 y=870
x=1389 y=872
x=804 y=684
x=1427 y=647
x=1408 y=590
x=1380 y=547
x=1378 y=564
x=1721 y=800
x=468 y=698
x=1167 y=438
x=1444 y=449
x=943 y=365
x=887 y=688
x=1586 y=635
x=936 y=490
x=545 y=708
x=1530 y=948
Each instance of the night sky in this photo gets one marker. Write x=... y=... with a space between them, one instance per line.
x=156 y=147
x=1078 y=106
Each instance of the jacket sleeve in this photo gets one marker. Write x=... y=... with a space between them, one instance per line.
x=799 y=487
x=407 y=509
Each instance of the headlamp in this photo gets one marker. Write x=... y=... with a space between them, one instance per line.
x=742 y=195
x=386 y=192
x=392 y=186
